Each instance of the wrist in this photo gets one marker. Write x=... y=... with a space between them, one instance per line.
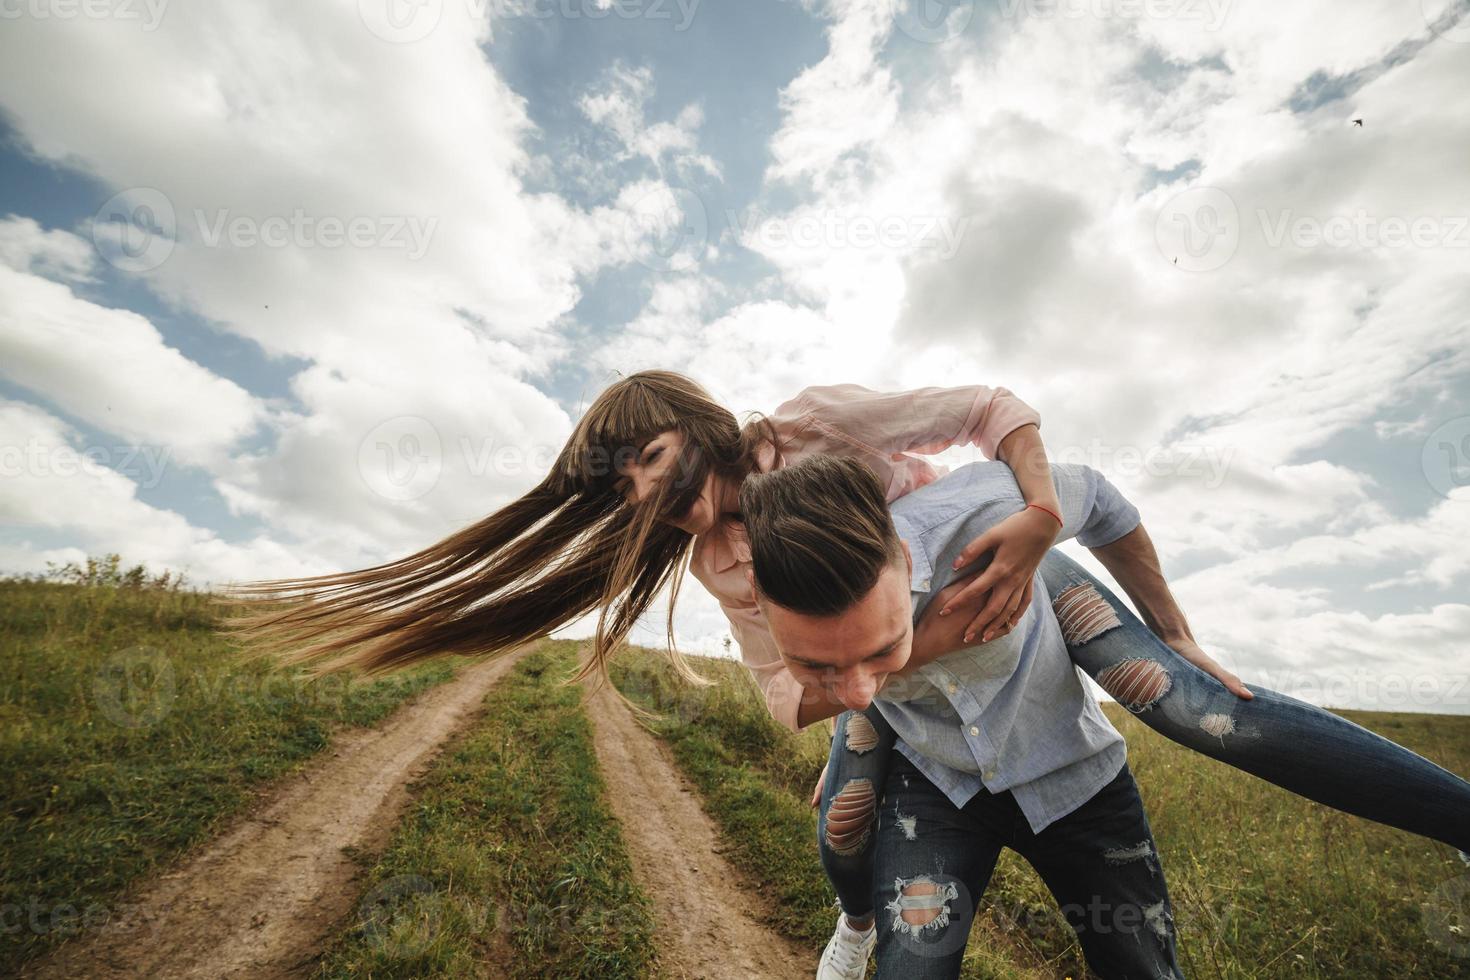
x=1050 y=514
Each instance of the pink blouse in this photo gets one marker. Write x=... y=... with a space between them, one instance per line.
x=881 y=428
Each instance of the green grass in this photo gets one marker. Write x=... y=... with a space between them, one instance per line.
x=1264 y=884
x=129 y=734
x=510 y=862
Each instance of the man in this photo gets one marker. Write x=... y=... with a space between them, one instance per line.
x=1000 y=744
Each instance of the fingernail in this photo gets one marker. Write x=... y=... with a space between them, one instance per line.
x=969 y=637
x=956 y=563
x=944 y=612
x=985 y=638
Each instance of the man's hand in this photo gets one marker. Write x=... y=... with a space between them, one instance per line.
x=1019 y=542
x=1189 y=650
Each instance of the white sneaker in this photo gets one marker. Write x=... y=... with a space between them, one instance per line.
x=847 y=952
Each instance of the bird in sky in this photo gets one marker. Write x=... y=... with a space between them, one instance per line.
x=1357 y=122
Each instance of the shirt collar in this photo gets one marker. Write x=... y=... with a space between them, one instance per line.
x=923 y=573
x=728 y=545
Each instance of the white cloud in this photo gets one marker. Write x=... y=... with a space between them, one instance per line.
x=47 y=482
x=620 y=105
x=26 y=247
x=129 y=383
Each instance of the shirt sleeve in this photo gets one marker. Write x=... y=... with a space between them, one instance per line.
x=1093 y=510
x=783 y=693
x=923 y=420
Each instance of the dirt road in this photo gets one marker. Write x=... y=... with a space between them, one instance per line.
x=705 y=926
x=261 y=900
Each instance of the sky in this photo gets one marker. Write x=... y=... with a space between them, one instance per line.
x=298 y=286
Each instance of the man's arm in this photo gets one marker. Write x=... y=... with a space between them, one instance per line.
x=1134 y=563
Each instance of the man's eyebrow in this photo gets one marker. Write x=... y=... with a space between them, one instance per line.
x=872 y=656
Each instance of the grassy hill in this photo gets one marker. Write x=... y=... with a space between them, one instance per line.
x=1264 y=884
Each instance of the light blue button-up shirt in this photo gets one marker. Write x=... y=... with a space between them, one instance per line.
x=1012 y=714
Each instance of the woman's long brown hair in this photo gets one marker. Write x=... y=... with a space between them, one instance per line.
x=569 y=545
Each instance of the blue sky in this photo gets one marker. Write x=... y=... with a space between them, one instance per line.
x=1154 y=221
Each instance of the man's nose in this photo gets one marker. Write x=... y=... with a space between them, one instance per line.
x=857 y=691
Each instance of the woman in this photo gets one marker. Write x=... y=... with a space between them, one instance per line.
x=647 y=485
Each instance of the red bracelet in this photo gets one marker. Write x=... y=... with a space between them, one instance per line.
x=1048 y=510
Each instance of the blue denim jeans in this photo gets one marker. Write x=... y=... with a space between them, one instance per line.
x=1298 y=746
x=933 y=861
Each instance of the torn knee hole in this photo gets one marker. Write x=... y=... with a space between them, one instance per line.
x=1137 y=683
x=924 y=914
x=850 y=817
x=861 y=735
x=921 y=904
x=1083 y=614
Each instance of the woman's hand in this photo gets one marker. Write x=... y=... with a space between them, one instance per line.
x=936 y=635
x=1189 y=650
x=817 y=791
x=1019 y=542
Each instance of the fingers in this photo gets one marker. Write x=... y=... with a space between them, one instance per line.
x=977 y=587
x=1232 y=683
x=985 y=542
x=995 y=617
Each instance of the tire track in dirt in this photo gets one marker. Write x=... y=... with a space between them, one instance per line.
x=263 y=898
x=705 y=928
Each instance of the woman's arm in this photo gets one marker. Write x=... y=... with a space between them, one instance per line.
x=930 y=420
x=1019 y=542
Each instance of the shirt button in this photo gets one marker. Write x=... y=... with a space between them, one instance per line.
x=974 y=730
x=951 y=688
x=924 y=584
x=988 y=774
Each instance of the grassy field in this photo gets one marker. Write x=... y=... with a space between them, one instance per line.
x=1264 y=884
x=129 y=734
x=510 y=863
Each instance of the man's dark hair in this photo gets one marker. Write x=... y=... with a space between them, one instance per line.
x=820 y=533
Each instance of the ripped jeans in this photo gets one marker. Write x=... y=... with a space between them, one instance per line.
x=1298 y=746
x=933 y=861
